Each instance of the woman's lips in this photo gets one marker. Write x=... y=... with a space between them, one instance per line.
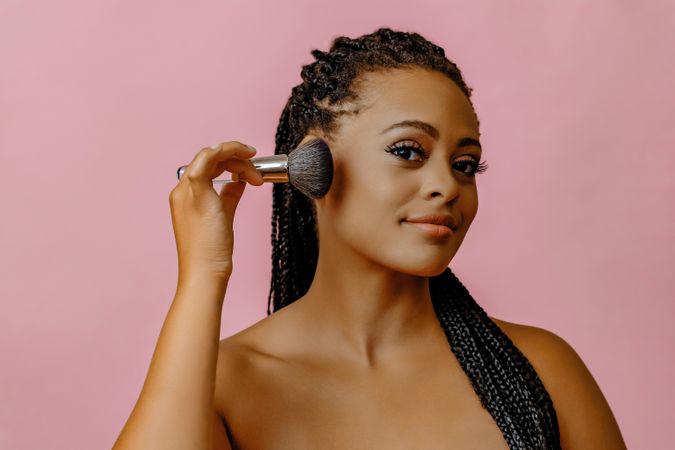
x=431 y=230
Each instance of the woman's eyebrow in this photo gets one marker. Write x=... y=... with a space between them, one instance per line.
x=424 y=126
x=467 y=142
x=431 y=131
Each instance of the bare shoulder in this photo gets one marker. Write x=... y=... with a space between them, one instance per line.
x=237 y=353
x=584 y=416
x=243 y=355
x=266 y=337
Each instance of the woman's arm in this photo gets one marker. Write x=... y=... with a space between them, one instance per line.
x=175 y=408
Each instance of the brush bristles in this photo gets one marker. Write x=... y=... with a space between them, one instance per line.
x=310 y=168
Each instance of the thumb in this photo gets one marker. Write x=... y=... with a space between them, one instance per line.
x=230 y=194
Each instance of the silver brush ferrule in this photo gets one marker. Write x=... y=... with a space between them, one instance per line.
x=274 y=169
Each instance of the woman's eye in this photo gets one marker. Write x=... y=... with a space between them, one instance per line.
x=473 y=166
x=405 y=151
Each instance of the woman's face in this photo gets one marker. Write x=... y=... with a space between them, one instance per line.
x=385 y=174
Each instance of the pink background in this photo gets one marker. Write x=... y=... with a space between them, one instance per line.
x=100 y=102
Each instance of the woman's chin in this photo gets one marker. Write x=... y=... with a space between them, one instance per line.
x=429 y=261
x=434 y=271
x=428 y=268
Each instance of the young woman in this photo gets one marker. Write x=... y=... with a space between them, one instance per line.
x=373 y=343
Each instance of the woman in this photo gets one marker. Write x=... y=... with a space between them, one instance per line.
x=374 y=343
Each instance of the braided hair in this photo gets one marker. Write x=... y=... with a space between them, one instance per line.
x=508 y=386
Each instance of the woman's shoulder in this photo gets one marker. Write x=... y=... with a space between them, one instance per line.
x=253 y=362
x=238 y=360
x=266 y=337
x=267 y=340
x=530 y=335
x=585 y=418
x=552 y=357
x=545 y=349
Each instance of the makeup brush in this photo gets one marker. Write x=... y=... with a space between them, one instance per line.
x=309 y=168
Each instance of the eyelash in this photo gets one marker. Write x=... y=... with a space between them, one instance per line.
x=478 y=167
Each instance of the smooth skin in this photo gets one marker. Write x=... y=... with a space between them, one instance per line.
x=360 y=361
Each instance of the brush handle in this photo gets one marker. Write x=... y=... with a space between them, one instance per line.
x=181 y=171
x=273 y=169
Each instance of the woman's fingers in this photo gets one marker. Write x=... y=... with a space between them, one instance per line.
x=205 y=165
x=242 y=169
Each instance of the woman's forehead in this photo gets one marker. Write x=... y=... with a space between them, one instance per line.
x=388 y=97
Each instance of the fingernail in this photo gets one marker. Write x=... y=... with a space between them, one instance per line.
x=215 y=146
x=252 y=148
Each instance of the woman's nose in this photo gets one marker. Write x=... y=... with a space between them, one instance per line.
x=440 y=181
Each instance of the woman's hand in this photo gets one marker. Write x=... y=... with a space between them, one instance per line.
x=202 y=218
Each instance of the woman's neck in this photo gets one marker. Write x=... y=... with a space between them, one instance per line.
x=365 y=311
